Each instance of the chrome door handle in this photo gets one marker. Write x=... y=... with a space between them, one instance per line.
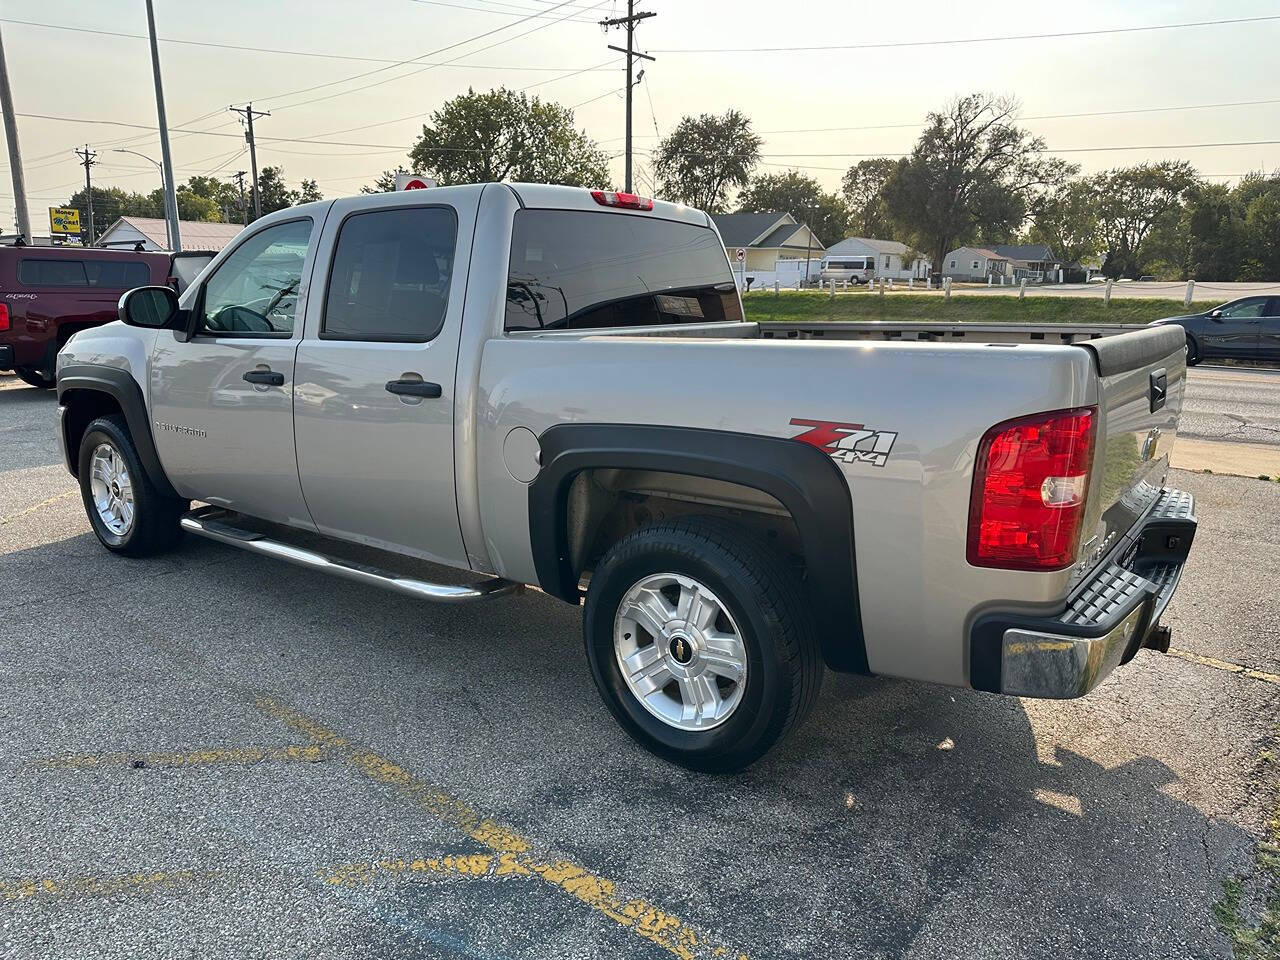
x=414 y=388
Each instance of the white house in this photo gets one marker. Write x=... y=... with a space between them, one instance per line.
x=151 y=233
x=888 y=255
x=775 y=247
x=975 y=265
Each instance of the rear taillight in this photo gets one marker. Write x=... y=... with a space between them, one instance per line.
x=628 y=201
x=4 y=317
x=1029 y=487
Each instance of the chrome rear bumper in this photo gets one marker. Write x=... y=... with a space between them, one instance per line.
x=1106 y=621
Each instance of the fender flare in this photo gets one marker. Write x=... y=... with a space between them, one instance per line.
x=802 y=478
x=121 y=387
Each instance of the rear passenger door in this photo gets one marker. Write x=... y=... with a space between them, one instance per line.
x=374 y=401
x=1269 y=332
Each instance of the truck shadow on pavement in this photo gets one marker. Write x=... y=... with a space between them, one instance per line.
x=901 y=820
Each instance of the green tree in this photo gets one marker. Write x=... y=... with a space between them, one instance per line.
x=507 y=135
x=109 y=205
x=704 y=158
x=386 y=181
x=276 y=195
x=802 y=197
x=1134 y=201
x=1067 y=221
x=863 y=190
x=972 y=176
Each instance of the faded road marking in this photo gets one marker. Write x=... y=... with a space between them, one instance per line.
x=157 y=881
x=211 y=757
x=1225 y=665
x=39 y=506
x=598 y=893
x=473 y=866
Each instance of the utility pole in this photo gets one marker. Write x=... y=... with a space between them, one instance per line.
x=244 y=209
x=629 y=22
x=15 y=155
x=88 y=158
x=249 y=113
x=170 y=189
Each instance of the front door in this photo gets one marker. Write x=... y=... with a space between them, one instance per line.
x=1233 y=332
x=222 y=403
x=374 y=402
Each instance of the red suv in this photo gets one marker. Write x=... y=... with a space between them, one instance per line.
x=48 y=293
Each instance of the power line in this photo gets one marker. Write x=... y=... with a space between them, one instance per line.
x=274 y=51
x=512 y=9
x=1150 y=146
x=607 y=93
x=412 y=60
x=952 y=41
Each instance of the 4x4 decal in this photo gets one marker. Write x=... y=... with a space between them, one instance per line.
x=847 y=442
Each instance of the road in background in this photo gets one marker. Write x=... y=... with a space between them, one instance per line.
x=1232 y=404
x=1168 y=290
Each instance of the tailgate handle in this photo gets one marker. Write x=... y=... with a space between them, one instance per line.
x=1159 y=388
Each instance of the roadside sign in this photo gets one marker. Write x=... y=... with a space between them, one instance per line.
x=64 y=220
x=741 y=255
x=411 y=181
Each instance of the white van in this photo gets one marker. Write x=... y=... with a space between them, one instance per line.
x=854 y=269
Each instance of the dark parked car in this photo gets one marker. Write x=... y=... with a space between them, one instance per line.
x=48 y=293
x=1244 y=329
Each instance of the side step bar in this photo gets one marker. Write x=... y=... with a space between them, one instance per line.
x=214 y=523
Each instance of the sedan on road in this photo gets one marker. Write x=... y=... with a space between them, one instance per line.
x=1244 y=329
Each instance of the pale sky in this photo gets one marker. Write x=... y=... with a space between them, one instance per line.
x=87 y=76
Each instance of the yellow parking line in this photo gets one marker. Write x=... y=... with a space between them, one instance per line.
x=474 y=866
x=600 y=894
x=39 y=506
x=211 y=757
x=160 y=880
x=1225 y=665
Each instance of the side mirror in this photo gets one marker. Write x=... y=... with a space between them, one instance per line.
x=1215 y=314
x=151 y=307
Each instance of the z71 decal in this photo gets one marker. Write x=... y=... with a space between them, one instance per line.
x=847 y=442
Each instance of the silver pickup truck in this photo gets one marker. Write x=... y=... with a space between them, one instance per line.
x=556 y=387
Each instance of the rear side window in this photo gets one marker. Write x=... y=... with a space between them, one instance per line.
x=574 y=270
x=107 y=274
x=390 y=275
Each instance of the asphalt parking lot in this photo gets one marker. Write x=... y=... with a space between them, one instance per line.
x=216 y=755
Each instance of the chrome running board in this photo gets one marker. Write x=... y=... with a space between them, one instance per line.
x=214 y=523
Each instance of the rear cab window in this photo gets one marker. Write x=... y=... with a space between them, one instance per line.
x=103 y=274
x=579 y=270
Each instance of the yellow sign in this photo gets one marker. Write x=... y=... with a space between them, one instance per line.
x=64 y=220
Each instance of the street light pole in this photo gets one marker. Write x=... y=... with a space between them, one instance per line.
x=170 y=197
x=168 y=237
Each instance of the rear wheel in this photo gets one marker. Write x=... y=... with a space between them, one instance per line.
x=127 y=513
x=34 y=376
x=701 y=643
x=1193 y=352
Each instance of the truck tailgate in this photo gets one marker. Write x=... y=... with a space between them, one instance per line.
x=1142 y=376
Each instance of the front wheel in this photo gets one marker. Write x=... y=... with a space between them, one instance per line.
x=701 y=642
x=127 y=513
x=35 y=377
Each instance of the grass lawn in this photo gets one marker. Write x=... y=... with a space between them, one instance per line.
x=814 y=306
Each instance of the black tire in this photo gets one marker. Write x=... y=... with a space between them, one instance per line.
x=35 y=377
x=155 y=528
x=769 y=603
x=1193 y=351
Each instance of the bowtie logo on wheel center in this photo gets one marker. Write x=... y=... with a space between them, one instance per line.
x=681 y=649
